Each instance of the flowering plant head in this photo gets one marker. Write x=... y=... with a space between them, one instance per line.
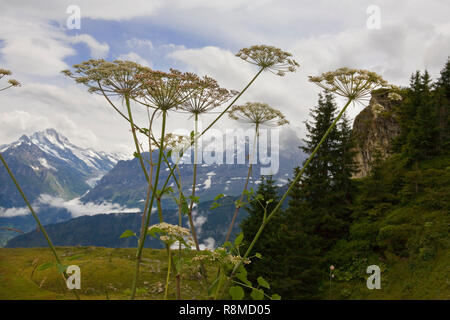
x=219 y=256
x=353 y=84
x=205 y=96
x=11 y=82
x=166 y=90
x=271 y=58
x=109 y=78
x=170 y=233
x=258 y=114
x=394 y=96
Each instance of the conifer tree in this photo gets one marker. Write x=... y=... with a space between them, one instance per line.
x=442 y=101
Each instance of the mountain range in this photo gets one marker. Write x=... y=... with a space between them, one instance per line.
x=48 y=163
x=65 y=182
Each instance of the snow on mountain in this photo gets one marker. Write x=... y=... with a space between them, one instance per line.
x=56 y=145
x=48 y=163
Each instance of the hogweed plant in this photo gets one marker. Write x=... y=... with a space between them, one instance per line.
x=257 y=114
x=353 y=84
x=163 y=92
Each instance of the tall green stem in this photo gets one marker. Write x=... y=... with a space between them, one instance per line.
x=194 y=184
x=283 y=198
x=168 y=276
x=41 y=227
x=136 y=142
x=249 y=173
x=147 y=220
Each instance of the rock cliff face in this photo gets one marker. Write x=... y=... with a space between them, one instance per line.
x=374 y=129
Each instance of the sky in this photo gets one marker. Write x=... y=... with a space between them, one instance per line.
x=393 y=38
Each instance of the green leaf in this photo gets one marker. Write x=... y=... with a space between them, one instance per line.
x=127 y=234
x=214 y=205
x=194 y=199
x=169 y=153
x=257 y=294
x=242 y=275
x=227 y=244
x=61 y=268
x=236 y=293
x=263 y=283
x=153 y=231
x=219 y=196
x=275 y=297
x=258 y=255
x=44 y=266
x=269 y=201
x=136 y=155
x=238 y=239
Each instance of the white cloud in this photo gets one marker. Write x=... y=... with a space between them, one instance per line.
x=133 y=56
x=140 y=43
x=74 y=206
x=97 y=49
x=322 y=35
x=33 y=47
x=13 y=212
x=209 y=243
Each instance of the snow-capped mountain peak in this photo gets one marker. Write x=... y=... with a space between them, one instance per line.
x=47 y=162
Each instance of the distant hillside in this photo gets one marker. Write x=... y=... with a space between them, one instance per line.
x=105 y=229
x=125 y=183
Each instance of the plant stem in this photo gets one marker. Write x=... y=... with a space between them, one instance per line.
x=136 y=142
x=168 y=275
x=283 y=198
x=194 y=183
x=191 y=223
x=41 y=227
x=249 y=173
x=147 y=220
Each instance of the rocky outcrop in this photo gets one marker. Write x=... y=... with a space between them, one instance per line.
x=374 y=129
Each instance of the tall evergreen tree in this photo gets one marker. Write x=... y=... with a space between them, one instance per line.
x=318 y=214
x=421 y=139
x=442 y=101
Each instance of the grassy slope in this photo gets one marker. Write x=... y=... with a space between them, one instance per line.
x=100 y=268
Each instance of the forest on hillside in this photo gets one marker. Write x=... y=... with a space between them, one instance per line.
x=397 y=217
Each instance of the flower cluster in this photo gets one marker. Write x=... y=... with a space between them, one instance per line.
x=394 y=96
x=269 y=58
x=353 y=84
x=258 y=114
x=207 y=95
x=219 y=255
x=109 y=78
x=11 y=82
x=166 y=90
x=170 y=233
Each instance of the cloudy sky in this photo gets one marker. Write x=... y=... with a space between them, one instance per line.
x=202 y=36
